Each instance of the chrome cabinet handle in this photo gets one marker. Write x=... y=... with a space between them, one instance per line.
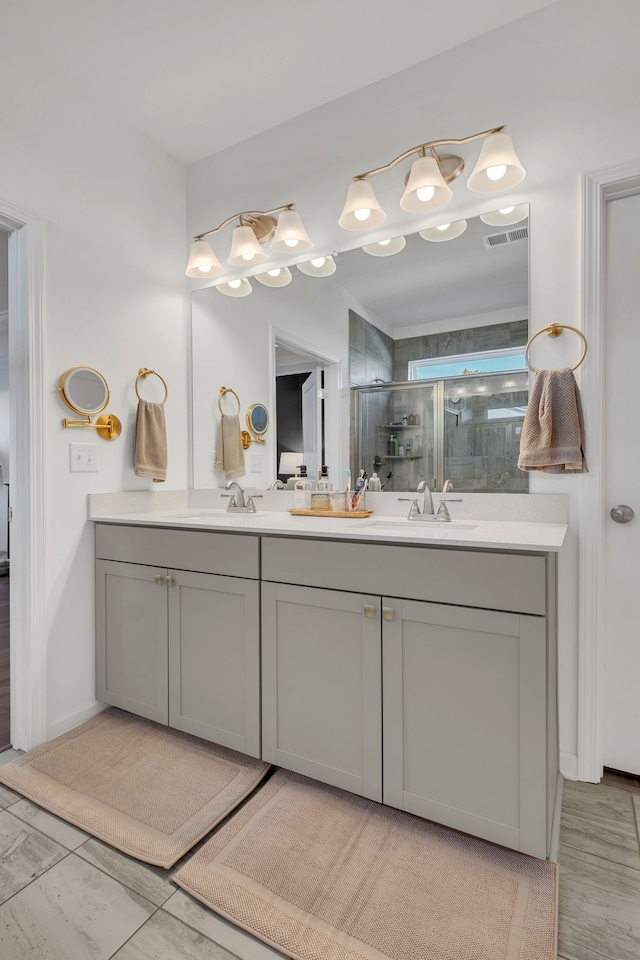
x=621 y=513
x=369 y=611
x=387 y=613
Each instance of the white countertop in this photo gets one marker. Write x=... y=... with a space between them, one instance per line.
x=468 y=532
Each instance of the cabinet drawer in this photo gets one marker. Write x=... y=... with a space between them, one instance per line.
x=495 y=581
x=232 y=555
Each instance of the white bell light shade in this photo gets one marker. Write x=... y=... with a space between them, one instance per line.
x=278 y=277
x=318 y=267
x=235 y=288
x=506 y=215
x=203 y=262
x=290 y=233
x=245 y=249
x=385 y=248
x=498 y=167
x=361 y=210
x=445 y=231
x=289 y=463
x=425 y=189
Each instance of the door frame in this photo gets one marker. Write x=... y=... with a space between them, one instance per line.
x=28 y=642
x=598 y=187
x=333 y=412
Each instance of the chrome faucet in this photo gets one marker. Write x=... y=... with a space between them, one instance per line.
x=237 y=503
x=443 y=510
x=427 y=506
x=276 y=485
x=235 y=500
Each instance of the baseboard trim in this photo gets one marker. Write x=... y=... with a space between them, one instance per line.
x=569 y=765
x=554 y=839
x=71 y=720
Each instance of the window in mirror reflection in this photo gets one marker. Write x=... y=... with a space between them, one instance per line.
x=491 y=361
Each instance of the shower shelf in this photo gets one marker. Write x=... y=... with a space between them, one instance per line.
x=394 y=457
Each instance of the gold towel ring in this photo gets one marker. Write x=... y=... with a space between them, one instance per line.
x=144 y=372
x=224 y=390
x=554 y=330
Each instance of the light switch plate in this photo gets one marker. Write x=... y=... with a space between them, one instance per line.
x=255 y=463
x=83 y=457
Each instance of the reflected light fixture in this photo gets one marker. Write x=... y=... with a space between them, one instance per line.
x=506 y=215
x=427 y=183
x=278 y=277
x=254 y=227
x=318 y=267
x=235 y=288
x=444 y=231
x=385 y=248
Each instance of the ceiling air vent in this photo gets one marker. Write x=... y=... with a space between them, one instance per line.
x=505 y=236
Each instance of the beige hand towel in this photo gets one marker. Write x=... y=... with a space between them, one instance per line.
x=150 y=454
x=230 y=454
x=552 y=437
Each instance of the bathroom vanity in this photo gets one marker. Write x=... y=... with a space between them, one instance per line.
x=416 y=668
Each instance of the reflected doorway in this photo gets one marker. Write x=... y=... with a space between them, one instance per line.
x=300 y=421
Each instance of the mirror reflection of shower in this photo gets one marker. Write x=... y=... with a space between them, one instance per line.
x=466 y=429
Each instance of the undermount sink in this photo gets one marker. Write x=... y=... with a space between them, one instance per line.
x=212 y=517
x=439 y=526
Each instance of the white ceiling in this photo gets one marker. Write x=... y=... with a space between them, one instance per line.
x=197 y=76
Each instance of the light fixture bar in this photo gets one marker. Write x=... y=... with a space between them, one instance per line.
x=420 y=150
x=246 y=215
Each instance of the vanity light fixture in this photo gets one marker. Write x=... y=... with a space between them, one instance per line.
x=318 y=267
x=278 y=277
x=254 y=227
x=506 y=215
x=444 y=231
x=385 y=248
x=497 y=168
x=235 y=288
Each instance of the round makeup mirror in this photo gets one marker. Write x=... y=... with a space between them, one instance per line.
x=258 y=420
x=84 y=390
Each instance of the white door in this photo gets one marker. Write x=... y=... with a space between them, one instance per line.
x=312 y=423
x=622 y=485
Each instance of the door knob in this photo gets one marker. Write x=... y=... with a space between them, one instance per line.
x=621 y=513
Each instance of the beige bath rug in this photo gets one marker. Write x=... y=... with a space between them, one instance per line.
x=150 y=791
x=323 y=875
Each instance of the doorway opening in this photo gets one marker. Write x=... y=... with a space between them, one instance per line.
x=5 y=716
x=306 y=400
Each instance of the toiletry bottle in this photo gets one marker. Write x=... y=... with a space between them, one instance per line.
x=324 y=483
x=407 y=448
x=401 y=450
x=375 y=483
x=302 y=491
x=391 y=446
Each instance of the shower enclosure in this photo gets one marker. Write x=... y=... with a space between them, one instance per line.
x=465 y=429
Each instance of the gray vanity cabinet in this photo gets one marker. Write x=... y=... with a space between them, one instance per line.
x=466 y=703
x=465 y=720
x=321 y=707
x=132 y=639
x=178 y=646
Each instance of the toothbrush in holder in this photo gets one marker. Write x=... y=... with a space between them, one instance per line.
x=358 y=493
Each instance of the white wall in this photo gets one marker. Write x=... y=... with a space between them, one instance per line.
x=115 y=299
x=233 y=347
x=565 y=81
x=4 y=386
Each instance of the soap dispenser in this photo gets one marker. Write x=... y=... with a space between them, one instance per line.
x=324 y=482
x=302 y=490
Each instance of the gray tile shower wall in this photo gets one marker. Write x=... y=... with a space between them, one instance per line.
x=370 y=352
x=498 y=336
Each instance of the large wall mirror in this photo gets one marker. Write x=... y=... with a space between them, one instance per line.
x=418 y=354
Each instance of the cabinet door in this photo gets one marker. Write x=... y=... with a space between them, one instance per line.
x=131 y=638
x=321 y=658
x=214 y=659
x=465 y=734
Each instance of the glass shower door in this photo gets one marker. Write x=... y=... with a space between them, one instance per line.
x=395 y=435
x=483 y=417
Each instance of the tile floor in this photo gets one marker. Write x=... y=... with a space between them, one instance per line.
x=67 y=896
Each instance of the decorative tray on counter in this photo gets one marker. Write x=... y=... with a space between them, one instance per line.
x=330 y=513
